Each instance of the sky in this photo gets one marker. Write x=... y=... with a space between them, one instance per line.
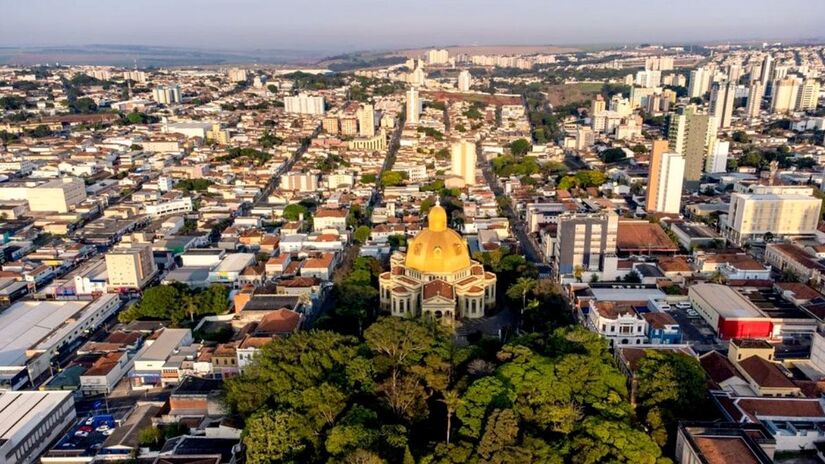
x=350 y=25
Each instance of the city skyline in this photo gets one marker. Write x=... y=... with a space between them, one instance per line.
x=327 y=26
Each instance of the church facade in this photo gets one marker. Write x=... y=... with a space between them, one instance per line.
x=436 y=277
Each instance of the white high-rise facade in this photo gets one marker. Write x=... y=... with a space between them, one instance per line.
x=808 y=95
x=784 y=95
x=438 y=56
x=717 y=160
x=463 y=156
x=166 y=94
x=465 y=80
x=304 y=104
x=366 y=121
x=237 y=75
x=700 y=79
x=665 y=190
x=755 y=94
x=413 y=106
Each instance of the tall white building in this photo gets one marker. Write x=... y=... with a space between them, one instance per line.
x=135 y=76
x=755 y=94
x=413 y=106
x=664 y=191
x=465 y=80
x=784 y=95
x=166 y=94
x=438 y=56
x=304 y=104
x=463 y=156
x=808 y=95
x=237 y=75
x=721 y=102
x=417 y=77
x=717 y=160
x=700 y=79
x=649 y=78
x=766 y=70
x=366 y=120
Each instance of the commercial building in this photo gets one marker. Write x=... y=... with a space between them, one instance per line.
x=148 y=369
x=30 y=421
x=130 y=268
x=692 y=135
x=664 y=189
x=463 y=157
x=413 y=106
x=58 y=195
x=304 y=103
x=729 y=313
x=779 y=211
x=33 y=333
x=165 y=208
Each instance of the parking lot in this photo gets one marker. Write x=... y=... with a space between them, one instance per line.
x=696 y=332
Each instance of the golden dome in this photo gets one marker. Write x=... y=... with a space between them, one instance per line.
x=437 y=249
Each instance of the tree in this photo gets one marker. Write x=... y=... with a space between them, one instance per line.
x=150 y=437
x=276 y=436
x=520 y=147
x=295 y=211
x=500 y=434
x=392 y=178
x=671 y=387
x=451 y=400
x=362 y=234
x=484 y=395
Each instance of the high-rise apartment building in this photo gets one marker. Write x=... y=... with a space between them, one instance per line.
x=586 y=242
x=717 y=160
x=130 y=268
x=438 y=56
x=692 y=135
x=755 y=93
x=778 y=210
x=366 y=120
x=237 y=75
x=664 y=187
x=700 y=79
x=766 y=70
x=417 y=77
x=721 y=102
x=463 y=156
x=465 y=80
x=413 y=106
x=135 y=76
x=784 y=95
x=304 y=104
x=808 y=95
x=597 y=106
x=166 y=94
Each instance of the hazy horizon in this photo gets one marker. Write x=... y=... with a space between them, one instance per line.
x=357 y=25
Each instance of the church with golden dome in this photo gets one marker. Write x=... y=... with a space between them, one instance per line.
x=436 y=277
